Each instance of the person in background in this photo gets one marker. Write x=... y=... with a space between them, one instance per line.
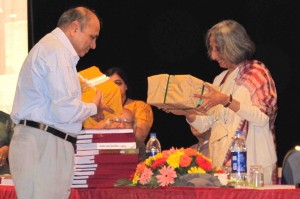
x=6 y=132
x=124 y=120
x=203 y=139
x=48 y=109
x=127 y=120
x=142 y=111
x=246 y=100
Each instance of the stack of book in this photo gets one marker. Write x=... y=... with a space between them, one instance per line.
x=103 y=156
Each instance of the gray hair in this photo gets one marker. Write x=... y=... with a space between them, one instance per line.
x=80 y=14
x=233 y=41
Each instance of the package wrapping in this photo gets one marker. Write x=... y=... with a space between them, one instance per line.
x=92 y=79
x=175 y=92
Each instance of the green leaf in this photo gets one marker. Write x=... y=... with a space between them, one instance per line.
x=123 y=182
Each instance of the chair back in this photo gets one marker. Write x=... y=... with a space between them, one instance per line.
x=291 y=167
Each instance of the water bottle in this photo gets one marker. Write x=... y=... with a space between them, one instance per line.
x=238 y=160
x=153 y=145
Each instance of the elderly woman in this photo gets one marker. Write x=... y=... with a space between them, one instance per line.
x=246 y=100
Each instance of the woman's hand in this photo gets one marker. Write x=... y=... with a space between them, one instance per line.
x=211 y=98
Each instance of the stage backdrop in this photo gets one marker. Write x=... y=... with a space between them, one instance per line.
x=153 y=37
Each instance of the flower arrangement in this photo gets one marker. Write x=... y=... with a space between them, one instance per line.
x=165 y=168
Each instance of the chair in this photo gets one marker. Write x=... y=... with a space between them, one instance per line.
x=291 y=167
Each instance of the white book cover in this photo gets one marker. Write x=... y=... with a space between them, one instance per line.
x=84 y=159
x=80 y=177
x=108 y=145
x=79 y=181
x=87 y=161
x=79 y=186
x=84 y=141
x=84 y=132
x=85 y=169
x=81 y=153
x=89 y=152
x=80 y=166
x=84 y=173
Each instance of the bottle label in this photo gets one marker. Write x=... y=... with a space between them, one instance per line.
x=152 y=153
x=238 y=162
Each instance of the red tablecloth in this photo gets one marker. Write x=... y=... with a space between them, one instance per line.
x=8 y=192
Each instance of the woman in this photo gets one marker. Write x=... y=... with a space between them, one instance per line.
x=246 y=100
x=142 y=111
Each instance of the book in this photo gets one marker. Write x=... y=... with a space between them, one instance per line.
x=107 y=158
x=124 y=174
x=109 y=137
x=81 y=166
x=99 y=183
x=101 y=172
x=107 y=145
x=4 y=180
x=107 y=151
x=106 y=171
x=113 y=166
x=92 y=79
x=103 y=131
x=85 y=169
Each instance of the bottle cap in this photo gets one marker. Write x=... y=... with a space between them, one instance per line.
x=152 y=134
x=239 y=132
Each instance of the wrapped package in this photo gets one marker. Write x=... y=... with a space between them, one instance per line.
x=92 y=79
x=175 y=92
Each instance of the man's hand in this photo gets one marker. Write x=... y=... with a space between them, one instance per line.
x=100 y=107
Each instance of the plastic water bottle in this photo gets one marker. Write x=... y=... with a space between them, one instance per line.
x=238 y=160
x=153 y=145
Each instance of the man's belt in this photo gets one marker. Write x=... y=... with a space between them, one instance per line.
x=49 y=129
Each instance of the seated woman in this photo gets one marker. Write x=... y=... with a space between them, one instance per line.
x=6 y=131
x=142 y=111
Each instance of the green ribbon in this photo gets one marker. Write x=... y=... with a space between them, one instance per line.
x=166 y=91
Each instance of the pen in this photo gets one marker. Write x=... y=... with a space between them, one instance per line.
x=201 y=100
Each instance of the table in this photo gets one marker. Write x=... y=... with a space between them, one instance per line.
x=8 y=192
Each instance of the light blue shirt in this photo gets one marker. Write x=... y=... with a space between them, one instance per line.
x=48 y=89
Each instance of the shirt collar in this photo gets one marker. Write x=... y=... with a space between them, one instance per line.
x=64 y=39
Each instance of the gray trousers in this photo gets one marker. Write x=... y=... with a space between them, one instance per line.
x=41 y=164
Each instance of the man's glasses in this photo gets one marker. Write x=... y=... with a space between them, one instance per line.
x=126 y=122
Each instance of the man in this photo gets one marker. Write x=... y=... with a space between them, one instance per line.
x=122 y=121
x=48 y=109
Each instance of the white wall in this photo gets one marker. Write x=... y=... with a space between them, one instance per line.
x=13 y=47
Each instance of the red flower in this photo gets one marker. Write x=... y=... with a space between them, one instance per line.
x=204 y=163
x=158 y=162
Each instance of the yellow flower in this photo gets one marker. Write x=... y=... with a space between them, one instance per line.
x=149 y=160
x=166 y=167
x=174 y=159
x=196 y=170
x=135 y=179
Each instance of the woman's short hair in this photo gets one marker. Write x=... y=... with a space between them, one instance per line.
x=232 y=39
